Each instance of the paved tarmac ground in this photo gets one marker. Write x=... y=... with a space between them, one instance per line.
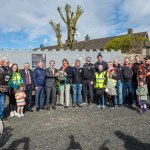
x=78 y=129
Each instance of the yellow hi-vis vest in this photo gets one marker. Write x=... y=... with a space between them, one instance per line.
x=112 y=80
x=100 y=78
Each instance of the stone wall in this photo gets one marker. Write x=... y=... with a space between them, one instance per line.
x=22 y=56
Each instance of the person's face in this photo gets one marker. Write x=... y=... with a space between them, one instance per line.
x=52 y=64
x=109 y=65
x=115 y=62
x=26 y=66
x=137 y=59
x=65 y=63
x=100 y=58
x=6 y=63
x=100 y=67
x=41 y=65
x=77 y=64
x=15 y=67
x=147 y=62
x=1 y=63
x=126 y=61
x=21 y=89
x=88 y=60
x=141 y=83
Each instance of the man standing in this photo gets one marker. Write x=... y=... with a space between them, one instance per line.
x=100 y=62
x=39 y=83
x=6 y=65
x=127 y=82
x=147 y=67
x=136 y=65
x=118 y=69
x=50 y=86
x=27 y=77
x=88 y=80
x=2 y=94
x=77 y=84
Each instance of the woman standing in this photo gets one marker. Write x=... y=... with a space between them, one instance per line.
x=66 y=70
x=14 y=82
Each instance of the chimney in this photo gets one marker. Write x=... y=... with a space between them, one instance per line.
x=87 y=38
x=130 y=31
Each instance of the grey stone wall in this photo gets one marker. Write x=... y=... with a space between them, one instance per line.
x=22 y=56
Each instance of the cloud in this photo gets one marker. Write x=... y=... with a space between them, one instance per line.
x=101 y=18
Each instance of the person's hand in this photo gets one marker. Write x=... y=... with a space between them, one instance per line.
x=148 y=74
x=57 y=74
x=36 y=88
x=91 y=82
x=141 y=76
x=1 y=89
x=110 y=75
x=65 y=73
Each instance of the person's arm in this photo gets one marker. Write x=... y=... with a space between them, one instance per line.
x=93 y=72
x=35 y=77
x=69 y=73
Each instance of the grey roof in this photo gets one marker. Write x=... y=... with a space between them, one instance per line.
x=94 y=43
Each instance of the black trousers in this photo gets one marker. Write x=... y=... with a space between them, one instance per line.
x=29 y=100
x=50 y=96
x=148 y=84
x=87 y=91
x=12 y=101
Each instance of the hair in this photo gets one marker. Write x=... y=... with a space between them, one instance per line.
x=137 y=56
x=109 y=62
x=13 y=66
x=52 y=61
x=26 y=63
x=77 y=61
x=88 y=57
x=40 y=61
x=65 y=61
x=126 y=58
x=21 y=85
x=100 y=65
x=6 y=60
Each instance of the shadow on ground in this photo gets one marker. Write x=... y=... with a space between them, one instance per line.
x=74 y=144
x=131 y=143
x=14 y=144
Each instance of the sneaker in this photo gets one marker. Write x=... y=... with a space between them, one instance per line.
x=15 y=113
x=90 y=105
x=84 y=103
x=98 y=106
x=112 y=108
x=80 y=104
x=22 y=115
x=74 y=105
x=18 y=115
x=12 y=114
x=119 y=105
x=144 y=111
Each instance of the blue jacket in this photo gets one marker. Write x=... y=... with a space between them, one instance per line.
x=39 y=77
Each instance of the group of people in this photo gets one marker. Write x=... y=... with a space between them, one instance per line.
x=106 y=83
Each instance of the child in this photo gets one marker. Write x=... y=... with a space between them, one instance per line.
x=142 y=95
x=20 y=100
x=100 y=85
x=111 y=85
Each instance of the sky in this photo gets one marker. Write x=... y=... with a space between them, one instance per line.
x=24 y=24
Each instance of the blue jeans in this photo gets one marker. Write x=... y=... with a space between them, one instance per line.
x=101 y=100
x=77 y=88
x=127 y=92
x=2 y=97
x=119 y=90
x=40 y=97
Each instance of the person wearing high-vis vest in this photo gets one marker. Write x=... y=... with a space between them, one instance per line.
x=100 y=85
x=111 y=85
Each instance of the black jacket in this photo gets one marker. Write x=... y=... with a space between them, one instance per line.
x=119 y=72
x=68 y=70
x=88 y=72
x=76 y=75
x=135 y=70
x=103 y=63
x=127 y=73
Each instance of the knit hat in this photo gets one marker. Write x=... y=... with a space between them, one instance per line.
x=99 y=54
x=147 y=57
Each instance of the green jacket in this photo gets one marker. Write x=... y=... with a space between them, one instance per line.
x=142 y=92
